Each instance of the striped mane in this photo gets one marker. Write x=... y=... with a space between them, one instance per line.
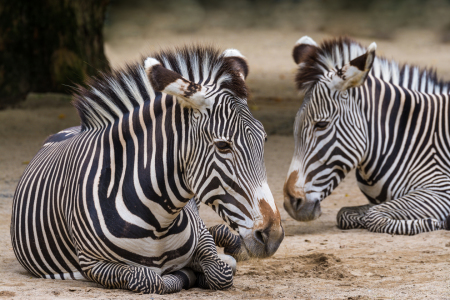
x=111 y=95
x=338 y=52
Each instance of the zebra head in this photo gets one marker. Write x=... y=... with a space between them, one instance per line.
x=329 y=131
x=222 y=154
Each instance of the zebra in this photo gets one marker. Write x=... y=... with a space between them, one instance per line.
x=112 y=200
x=389 y=121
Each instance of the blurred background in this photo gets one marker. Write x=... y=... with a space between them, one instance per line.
x=52 y=45
x=373 y=18
x=49 y=46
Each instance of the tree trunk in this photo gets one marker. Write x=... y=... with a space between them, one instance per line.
x=49 y=46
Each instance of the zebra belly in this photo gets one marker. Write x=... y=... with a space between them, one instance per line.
x=436 y=179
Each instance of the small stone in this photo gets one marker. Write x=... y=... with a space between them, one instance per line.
x=447 y=245
x=307 y=241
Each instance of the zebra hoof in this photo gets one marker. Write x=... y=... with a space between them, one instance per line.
x=229 y=260
x=191 y=277
x=447 y=223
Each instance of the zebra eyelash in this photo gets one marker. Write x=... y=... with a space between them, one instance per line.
x=223 y=146
x=321 y=125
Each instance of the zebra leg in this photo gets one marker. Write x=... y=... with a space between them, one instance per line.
x=115 y=275
x=352 y=217
x=213 y=272
x=223 y=237
x=417 y=212
x=178 y=280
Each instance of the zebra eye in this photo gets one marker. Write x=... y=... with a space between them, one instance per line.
x=223 y=146
x=321 y=125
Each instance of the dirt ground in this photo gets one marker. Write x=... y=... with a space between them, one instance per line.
x=316 y=260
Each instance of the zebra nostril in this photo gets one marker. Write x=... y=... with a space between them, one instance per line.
x=260 y=236
x=296 y=203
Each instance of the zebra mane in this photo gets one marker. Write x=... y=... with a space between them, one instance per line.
x=111 y=95
x=338 y=52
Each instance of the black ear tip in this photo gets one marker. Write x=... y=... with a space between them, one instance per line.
x=296 y=54
x=302 y=51
x=238 y=63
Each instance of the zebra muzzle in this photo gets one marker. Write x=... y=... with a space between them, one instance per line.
x=302 y=209
x=263 y=242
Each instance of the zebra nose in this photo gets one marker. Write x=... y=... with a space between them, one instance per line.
x=296 y=203
x=269 y=237
x=264 y=240
x=261 y=236
x=302 y=209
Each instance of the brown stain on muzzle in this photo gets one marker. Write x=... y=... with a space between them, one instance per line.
x=271 y=229
x=271 y=218
x=289 y=189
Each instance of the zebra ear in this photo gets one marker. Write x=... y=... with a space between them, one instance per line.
x=237 y=61
x=302 y=48
x=355 y=73
x=166 y=81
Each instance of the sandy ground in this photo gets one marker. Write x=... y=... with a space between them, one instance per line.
x=316 y=260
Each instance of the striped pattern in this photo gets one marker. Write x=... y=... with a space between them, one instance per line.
x=394 y=129
x=108 y=200
x=334 y=54
x=231 y=243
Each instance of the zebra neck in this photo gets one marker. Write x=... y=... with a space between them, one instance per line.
x=145 y=150
x=374 y=97
x=400 y=128
x=366 y=97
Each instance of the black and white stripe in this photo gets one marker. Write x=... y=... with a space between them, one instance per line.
x=388 y=121
x=108 y=200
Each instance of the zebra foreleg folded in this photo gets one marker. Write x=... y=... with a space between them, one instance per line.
x=417 y=212
x=223 y=237
x=178 y=280
x=212 y=272
x=139 y=279
x=352 y=217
